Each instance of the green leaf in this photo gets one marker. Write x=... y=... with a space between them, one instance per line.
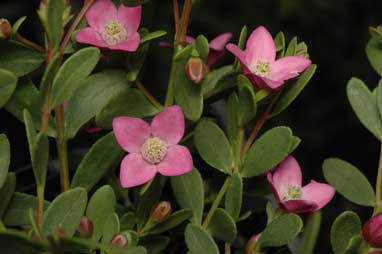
x=18 y=210
x=198 y=240
x=12 y=242
x=100 y=206
x=49 y=74
x=268 y=151
x=290 y=93
x=213 y=78
x=152 y=36
x=128 y=221
x=102 y=156
x=155 y=244
x=344 y=228
x=280 y=43
x=374 y=54
x=54 y=24
x=364 y=106
x=232 y=127
x=379 y=98
x=17 y=25
x=6 y=192
x=355 y=245
x=202 y=46
x=133 y=3
x=65 y=212
x=349 y=181
x=19 y=59
x=129 y=102
x=246 y=107
x=310 y=233
x=5 y=158
x=92 y=95
x=222 y=226
x=189 y=193
x=135 y=60
x=213 y=146
x=174 y=220
x=292 y=47
x=110 y=229
x=234 y=196
x=281 y=231
x=241 y=43
x=8 y=83
x=72 y=72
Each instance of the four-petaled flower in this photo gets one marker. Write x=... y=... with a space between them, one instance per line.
x=259 y=64
x=152 y=148
x=112 y=28
x=286 y=182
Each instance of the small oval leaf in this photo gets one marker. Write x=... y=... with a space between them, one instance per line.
x=8 y=83
x=344 y=228
x=198 y=240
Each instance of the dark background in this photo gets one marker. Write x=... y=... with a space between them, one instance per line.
x=336 y=33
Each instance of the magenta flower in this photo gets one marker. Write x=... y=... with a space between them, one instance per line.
x=152 y=148
x=286 y=186
x=259 y=64
x=372 y=231
x=112 y=28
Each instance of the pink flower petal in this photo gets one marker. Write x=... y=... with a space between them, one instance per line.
x=288 y=67
x=272 y=83
x=135 y=171
x=169 y=125
x=89 y=36
x=100 y=13
x=130 y=17
x=320 y=193
x=189 y=39
x=299 y=206
x=219 y=42
x=178 y=161
x=131 y=44
x=234 y=49
x=287 y=173
x=260 y=46
x=274 y=191
x=214 y=56
x=131 y=133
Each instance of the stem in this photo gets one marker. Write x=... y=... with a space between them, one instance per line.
x=74 y=25
x=181 y=35
x=170 y=88
x=176 y=15
x=62 y=149
x=378 y=187
x=148 y=95
x=216 y=203
x=40 y=205
x=29 y=43
x=227 y=248
x=255 y=131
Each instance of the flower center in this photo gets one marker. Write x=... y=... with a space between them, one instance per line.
x=294 y=192
x=154 y=150
x=262 y=69
x=114 y=33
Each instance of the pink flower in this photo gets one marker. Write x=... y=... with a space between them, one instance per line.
x=217 y=47
x=152 y=148
x=286 y=185
x=112 y=28
x=258 y=61
x=372 y=231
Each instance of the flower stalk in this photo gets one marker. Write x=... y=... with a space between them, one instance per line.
x=378 y=187
x=62 y=149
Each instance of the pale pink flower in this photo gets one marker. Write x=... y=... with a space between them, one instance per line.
x=112 y=28
x=152 y=148
x=286 y=181
x=259 y=64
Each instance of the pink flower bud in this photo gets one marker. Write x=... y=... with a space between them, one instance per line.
x=196 y=70
x=372 y=231
x=119 y=240
x=251 y=244
x=161 y=211
x=85 y=229
x=5 y=29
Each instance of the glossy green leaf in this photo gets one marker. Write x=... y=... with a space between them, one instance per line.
x=379 y=98
x=65 y=212
x=268 y=151
x=110 y=229
x=344 y=228
x=241 y=43
x=246 y=107
x=198 y=240
x=19 y=59
x=153 y=35
x=49 y=74
x=222 y=226
x=128 y=221
x=281 y=231
x=135 y=60
x=374 y=54
x=234 y=196
x=280 y=43
x=174 y=220
x=92 y=95
x=75 y=69
x=232 y=127
x=189 y=193
x=355 y=245
x=213 y=146
x=5 y=158
x=100 y=206
x=15 y=242
x=292 y=47
x=6 y=192
x=290 y=92
x=8 y=83
x=102 y=156
x=364 y=106
x=213 y=77
x=129 y=102
x=17 y=25
x=54 y=21
x=310 y=233
x=202 y=46
x=349 y=181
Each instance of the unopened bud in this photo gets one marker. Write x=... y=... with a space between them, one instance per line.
x=85 y=229
x=5 y=29
x=161 y=211
x=196 y=70
x=119 y=240
x=251 y=244
x=372 y=231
